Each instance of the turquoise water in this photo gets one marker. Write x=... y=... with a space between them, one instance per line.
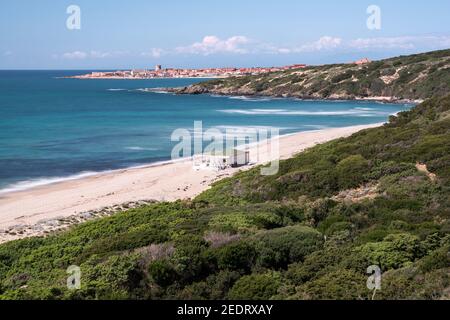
x=53 y=128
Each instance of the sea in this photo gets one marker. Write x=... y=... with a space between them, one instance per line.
x=53 y=128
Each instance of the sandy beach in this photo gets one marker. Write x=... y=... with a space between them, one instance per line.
x=47 y=208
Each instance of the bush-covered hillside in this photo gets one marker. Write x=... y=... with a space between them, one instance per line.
x=415 y=77
x=378 y=197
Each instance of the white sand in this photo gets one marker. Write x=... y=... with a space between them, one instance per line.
x=165 y=182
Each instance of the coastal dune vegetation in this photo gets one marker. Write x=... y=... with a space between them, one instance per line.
x=415 y=77
x=379 y=197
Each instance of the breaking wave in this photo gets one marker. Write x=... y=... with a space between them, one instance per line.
x=140 y=149
x=283 y=112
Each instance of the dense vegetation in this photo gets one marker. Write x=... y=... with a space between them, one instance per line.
x=380 y=197
x=412 y=77
x=289 y=236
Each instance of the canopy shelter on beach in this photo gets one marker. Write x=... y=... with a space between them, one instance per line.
x=233 y=158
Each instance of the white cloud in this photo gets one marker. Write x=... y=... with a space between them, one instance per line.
x=244 y=45
x=407 y=42
x=213 y=44
x=284 y=50
x=100 y=55
x=362 y=44
x=382 y=43
x=154 y=53
x=324 y=43
x=94 y=54
x=75 y=55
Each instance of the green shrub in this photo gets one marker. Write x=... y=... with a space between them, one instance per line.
x=215 y=287
x=280 y=247
x=236 y=256
x=351 y=171
x=340 y=284
x=190 y=258
x=395 y=251
x=409 y=284
x=115 y=278
x=255 y=287
x=438 y=259
x=162 y=272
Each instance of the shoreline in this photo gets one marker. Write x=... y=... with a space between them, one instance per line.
x=26 y=185
x=44 y=209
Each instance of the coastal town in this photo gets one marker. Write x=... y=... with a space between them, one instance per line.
x=159 y=72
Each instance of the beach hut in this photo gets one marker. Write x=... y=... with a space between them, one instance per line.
x=233 y=158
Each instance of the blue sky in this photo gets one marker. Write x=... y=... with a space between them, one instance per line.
x=206 y=33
